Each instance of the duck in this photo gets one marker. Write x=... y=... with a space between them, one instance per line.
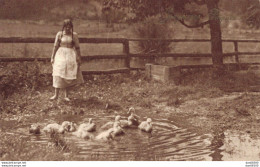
x=110 y=124
x=34 y=129
x=125 y=123
x=130 y=122
x=84 y=130
x=54 y=128
x=146 y=126
x=89 y=127
x=83 y=134
x=133 y=118
x=69 y=126
x=117 y=129
x=112 y=132
x=106 y=135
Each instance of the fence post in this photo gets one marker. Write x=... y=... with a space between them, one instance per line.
x=126 y=52
x=236 y=54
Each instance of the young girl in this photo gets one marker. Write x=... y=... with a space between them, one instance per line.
x=66 y=60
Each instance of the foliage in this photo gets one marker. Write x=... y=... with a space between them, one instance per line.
x=22 y=75
x=50 y=10
x=14 y=147
x=252 y=16
x=151 y=27
x=145 y=8
x=113 y=16
x=177 y=9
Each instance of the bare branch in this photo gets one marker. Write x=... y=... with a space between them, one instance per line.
x=192 y=26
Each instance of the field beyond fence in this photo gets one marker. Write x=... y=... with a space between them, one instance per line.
x=127 y=60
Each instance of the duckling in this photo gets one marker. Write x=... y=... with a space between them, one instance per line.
x=84 y=129
x=146 y=125
x=106 y=135
x=110 y=124
x=112 y=132
x=89 y=127
x=117 y=129
x=54 y=128
x=125 y=123
x=83 y=134
x=130 y=122
x=69 y=126
x=35 y=129
x=133 y=118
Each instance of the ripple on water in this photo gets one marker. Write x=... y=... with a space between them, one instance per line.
x=166 y=142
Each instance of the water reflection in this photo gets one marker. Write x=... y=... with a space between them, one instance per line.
x=240 y=147
x=217 y=143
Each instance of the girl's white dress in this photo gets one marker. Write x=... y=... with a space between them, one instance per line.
x=66 y=72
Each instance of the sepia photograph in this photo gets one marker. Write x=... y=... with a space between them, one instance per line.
x=129 y=80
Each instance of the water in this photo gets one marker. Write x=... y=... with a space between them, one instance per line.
x=166 y=142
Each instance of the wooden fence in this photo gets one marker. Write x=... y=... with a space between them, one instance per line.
x=127 y=55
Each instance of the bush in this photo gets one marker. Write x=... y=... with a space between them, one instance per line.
x=152 y=27
x=22 y=75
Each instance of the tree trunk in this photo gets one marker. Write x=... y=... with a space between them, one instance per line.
x=215 y=32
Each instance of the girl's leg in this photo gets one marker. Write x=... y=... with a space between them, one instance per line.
x=56 y=95
x=66 y=98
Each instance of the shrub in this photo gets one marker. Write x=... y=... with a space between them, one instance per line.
x=152 y=27
x=21 y=75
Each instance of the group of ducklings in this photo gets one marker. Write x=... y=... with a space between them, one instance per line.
x=110 y=129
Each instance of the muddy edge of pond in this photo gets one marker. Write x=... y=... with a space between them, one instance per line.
x=237 y=111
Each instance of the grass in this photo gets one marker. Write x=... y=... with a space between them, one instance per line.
x=17 y=148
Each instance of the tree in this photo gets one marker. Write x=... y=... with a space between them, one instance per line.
x=178 y=9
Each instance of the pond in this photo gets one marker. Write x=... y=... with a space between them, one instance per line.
x=166 y=142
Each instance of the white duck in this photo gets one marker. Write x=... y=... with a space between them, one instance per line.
x=54 y=128
x=85 y=129
x=125 y=123
x=88 y=127
x=117 y=129
x=69 y=126
x=106 y=135
x=110 y=124
x=133 y=118
x=83 y=134
x=112 y=132
x=146 y=125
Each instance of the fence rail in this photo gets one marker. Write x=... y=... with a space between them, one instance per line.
x=111 y=40
x=127 y=55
